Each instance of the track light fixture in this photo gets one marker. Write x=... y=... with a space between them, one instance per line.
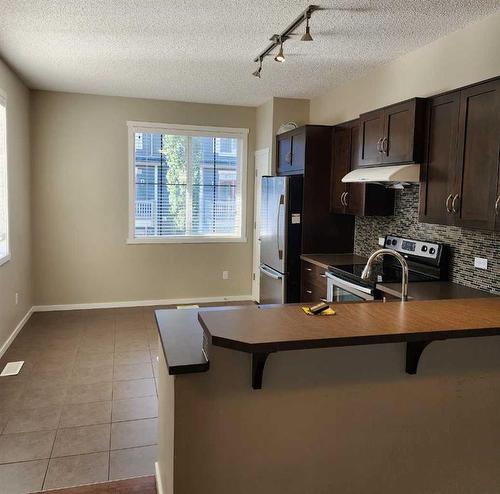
x=280 y=57
x=259 y=70
x=307 y=35
x=277 y=40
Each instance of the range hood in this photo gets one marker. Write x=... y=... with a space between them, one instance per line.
x=396 y=176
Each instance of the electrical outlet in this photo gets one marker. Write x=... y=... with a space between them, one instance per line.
x=480 y=263
x=381 y=241
x=225 y=275
x=17 y=298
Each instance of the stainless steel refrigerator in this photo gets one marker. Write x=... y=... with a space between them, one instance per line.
x=280 y=239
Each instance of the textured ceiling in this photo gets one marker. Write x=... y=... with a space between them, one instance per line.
x=202 y=50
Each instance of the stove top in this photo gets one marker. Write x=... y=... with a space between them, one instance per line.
x=379 y=274
x=427 y=261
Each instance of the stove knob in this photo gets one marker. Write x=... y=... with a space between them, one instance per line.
x=432 y=250
x=388 y=242
x=394 y=242
x=424 y=248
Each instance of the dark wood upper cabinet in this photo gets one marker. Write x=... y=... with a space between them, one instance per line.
x=478 y=156
x=460 y=173
x=291 y=152
x=437 y=175
x=497 y=200
x=392 y=135
x=352 y=198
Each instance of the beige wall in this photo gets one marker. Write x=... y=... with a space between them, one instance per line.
x=15 y=275
x=340 y=420
x=80 y=195
x=463 y=57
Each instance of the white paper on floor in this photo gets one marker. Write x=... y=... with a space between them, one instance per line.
x=188 y=306
x=12 y=368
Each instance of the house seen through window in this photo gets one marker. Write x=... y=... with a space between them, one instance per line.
x=187 y=185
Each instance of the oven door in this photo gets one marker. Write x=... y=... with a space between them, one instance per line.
x=344 y=291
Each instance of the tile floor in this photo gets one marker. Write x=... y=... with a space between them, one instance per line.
x=84 y=407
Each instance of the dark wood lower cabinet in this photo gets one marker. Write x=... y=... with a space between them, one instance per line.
x=313 y=283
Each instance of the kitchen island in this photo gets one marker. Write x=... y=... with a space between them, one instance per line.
x=339 y=414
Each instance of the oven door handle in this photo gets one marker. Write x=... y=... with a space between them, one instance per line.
x=346 y=285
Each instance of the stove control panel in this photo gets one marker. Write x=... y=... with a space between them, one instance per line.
x=417 y=248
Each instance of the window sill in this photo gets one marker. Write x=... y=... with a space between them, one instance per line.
x=4 y=259
x=187 y=240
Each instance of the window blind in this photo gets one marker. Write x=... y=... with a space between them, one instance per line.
x=187 y=186
x=4 y=224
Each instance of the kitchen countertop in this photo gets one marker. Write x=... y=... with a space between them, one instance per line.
x=256 y=330
x=422 y=290
x=325 y=260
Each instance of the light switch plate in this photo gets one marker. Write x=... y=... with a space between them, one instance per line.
x=381 y=241
x=480 y=263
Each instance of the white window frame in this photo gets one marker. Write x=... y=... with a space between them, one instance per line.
x=7 y=256
x=193 y=131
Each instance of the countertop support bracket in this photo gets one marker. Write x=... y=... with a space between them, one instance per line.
x=414 y=350
x=258 y=364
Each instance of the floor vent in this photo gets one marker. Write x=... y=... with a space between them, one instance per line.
x=12 y=368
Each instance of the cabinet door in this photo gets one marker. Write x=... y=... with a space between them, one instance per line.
x=284 y=154
x=371 y=133
x=298 y=151
x=355 y=197
x=340 y=167
x=438 y=174
x=399 y=125
x=477 y=161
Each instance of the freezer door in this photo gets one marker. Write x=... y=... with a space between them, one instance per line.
x=272 y=286
x=273 y=225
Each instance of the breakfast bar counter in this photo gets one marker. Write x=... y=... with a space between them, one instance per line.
x=337 y=405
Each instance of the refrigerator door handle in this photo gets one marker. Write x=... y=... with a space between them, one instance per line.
x=271 y=274
x=281 y=206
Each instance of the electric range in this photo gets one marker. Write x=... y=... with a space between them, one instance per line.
x=427 y=261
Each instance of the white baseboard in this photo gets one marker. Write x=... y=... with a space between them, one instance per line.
x=159 y=483
x=143 y=303
x=14 y=333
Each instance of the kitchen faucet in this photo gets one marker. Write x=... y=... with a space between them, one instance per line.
x=404 y=268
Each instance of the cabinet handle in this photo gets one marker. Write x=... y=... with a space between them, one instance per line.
x=345 y=199
x=379 y=145
x=288 y=157
x=448 y=199
x=309 y=292
x=497 y=203
x=308 y=269
x=342 y=198
x=385 y=145
x=453 y=204
x=323 y=275
x=324 y=300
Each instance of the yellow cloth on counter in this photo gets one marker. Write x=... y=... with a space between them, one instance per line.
x=326 y=312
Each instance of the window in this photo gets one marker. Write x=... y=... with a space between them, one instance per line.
x=187 y=184
x=4 y=210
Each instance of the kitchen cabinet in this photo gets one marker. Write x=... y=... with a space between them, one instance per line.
x=460 y=173
x=307 y=151
x=313 y=283
x=351 y=198
x=291 y=150
x=392 y=135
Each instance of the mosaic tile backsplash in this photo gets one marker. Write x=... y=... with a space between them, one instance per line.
x=465 y=244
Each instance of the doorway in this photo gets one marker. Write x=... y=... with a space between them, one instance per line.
x=262 y=168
